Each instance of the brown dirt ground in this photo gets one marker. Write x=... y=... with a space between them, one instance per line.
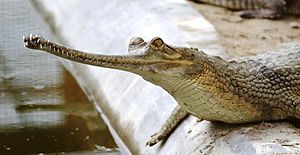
x=249 y=36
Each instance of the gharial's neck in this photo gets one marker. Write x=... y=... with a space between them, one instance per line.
x=221 y=77
x=209 y=89
x=214 y=74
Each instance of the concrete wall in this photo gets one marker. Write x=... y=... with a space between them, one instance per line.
x=133 y=108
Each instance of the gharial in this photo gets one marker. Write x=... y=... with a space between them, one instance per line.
x=272 y=9
x=249 y=89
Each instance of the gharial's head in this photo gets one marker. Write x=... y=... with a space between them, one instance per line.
x=152 y=60
x=156 y=59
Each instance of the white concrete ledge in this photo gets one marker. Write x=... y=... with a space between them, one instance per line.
x=133 y=108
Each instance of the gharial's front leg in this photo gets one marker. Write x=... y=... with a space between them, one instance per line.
x=177 y=115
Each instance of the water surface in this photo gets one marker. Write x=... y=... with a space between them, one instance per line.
x=42 y=109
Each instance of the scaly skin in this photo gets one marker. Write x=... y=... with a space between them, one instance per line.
x=271 y=9
x=249 y=89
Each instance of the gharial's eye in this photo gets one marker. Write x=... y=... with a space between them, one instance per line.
x=165 y=50
x=157 y=42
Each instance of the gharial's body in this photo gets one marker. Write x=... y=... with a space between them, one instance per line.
x=259 y=8
x=250 y=89
x=265 y=87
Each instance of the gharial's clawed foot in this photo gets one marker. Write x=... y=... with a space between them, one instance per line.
x=155 y=138
x=34 y=41
x=177 y=115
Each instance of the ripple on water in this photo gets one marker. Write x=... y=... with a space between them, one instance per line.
x=38 y=87
x=8 y=76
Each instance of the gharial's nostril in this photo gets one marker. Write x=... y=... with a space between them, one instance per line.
x=136 y=41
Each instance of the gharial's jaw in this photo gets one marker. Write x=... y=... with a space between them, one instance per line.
x=144 y=58
x=118 y=62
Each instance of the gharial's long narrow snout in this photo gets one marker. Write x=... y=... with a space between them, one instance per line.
x=126 y=62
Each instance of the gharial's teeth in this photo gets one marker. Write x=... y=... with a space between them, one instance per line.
x=23 y=38
x=30 y=35
x=38 y=41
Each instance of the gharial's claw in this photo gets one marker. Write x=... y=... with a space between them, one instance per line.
x=155 y=138
x=33 y=41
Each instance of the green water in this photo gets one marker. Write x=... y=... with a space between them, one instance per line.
x=42 y=109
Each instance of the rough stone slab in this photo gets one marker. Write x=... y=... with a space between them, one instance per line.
x=133 y=108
